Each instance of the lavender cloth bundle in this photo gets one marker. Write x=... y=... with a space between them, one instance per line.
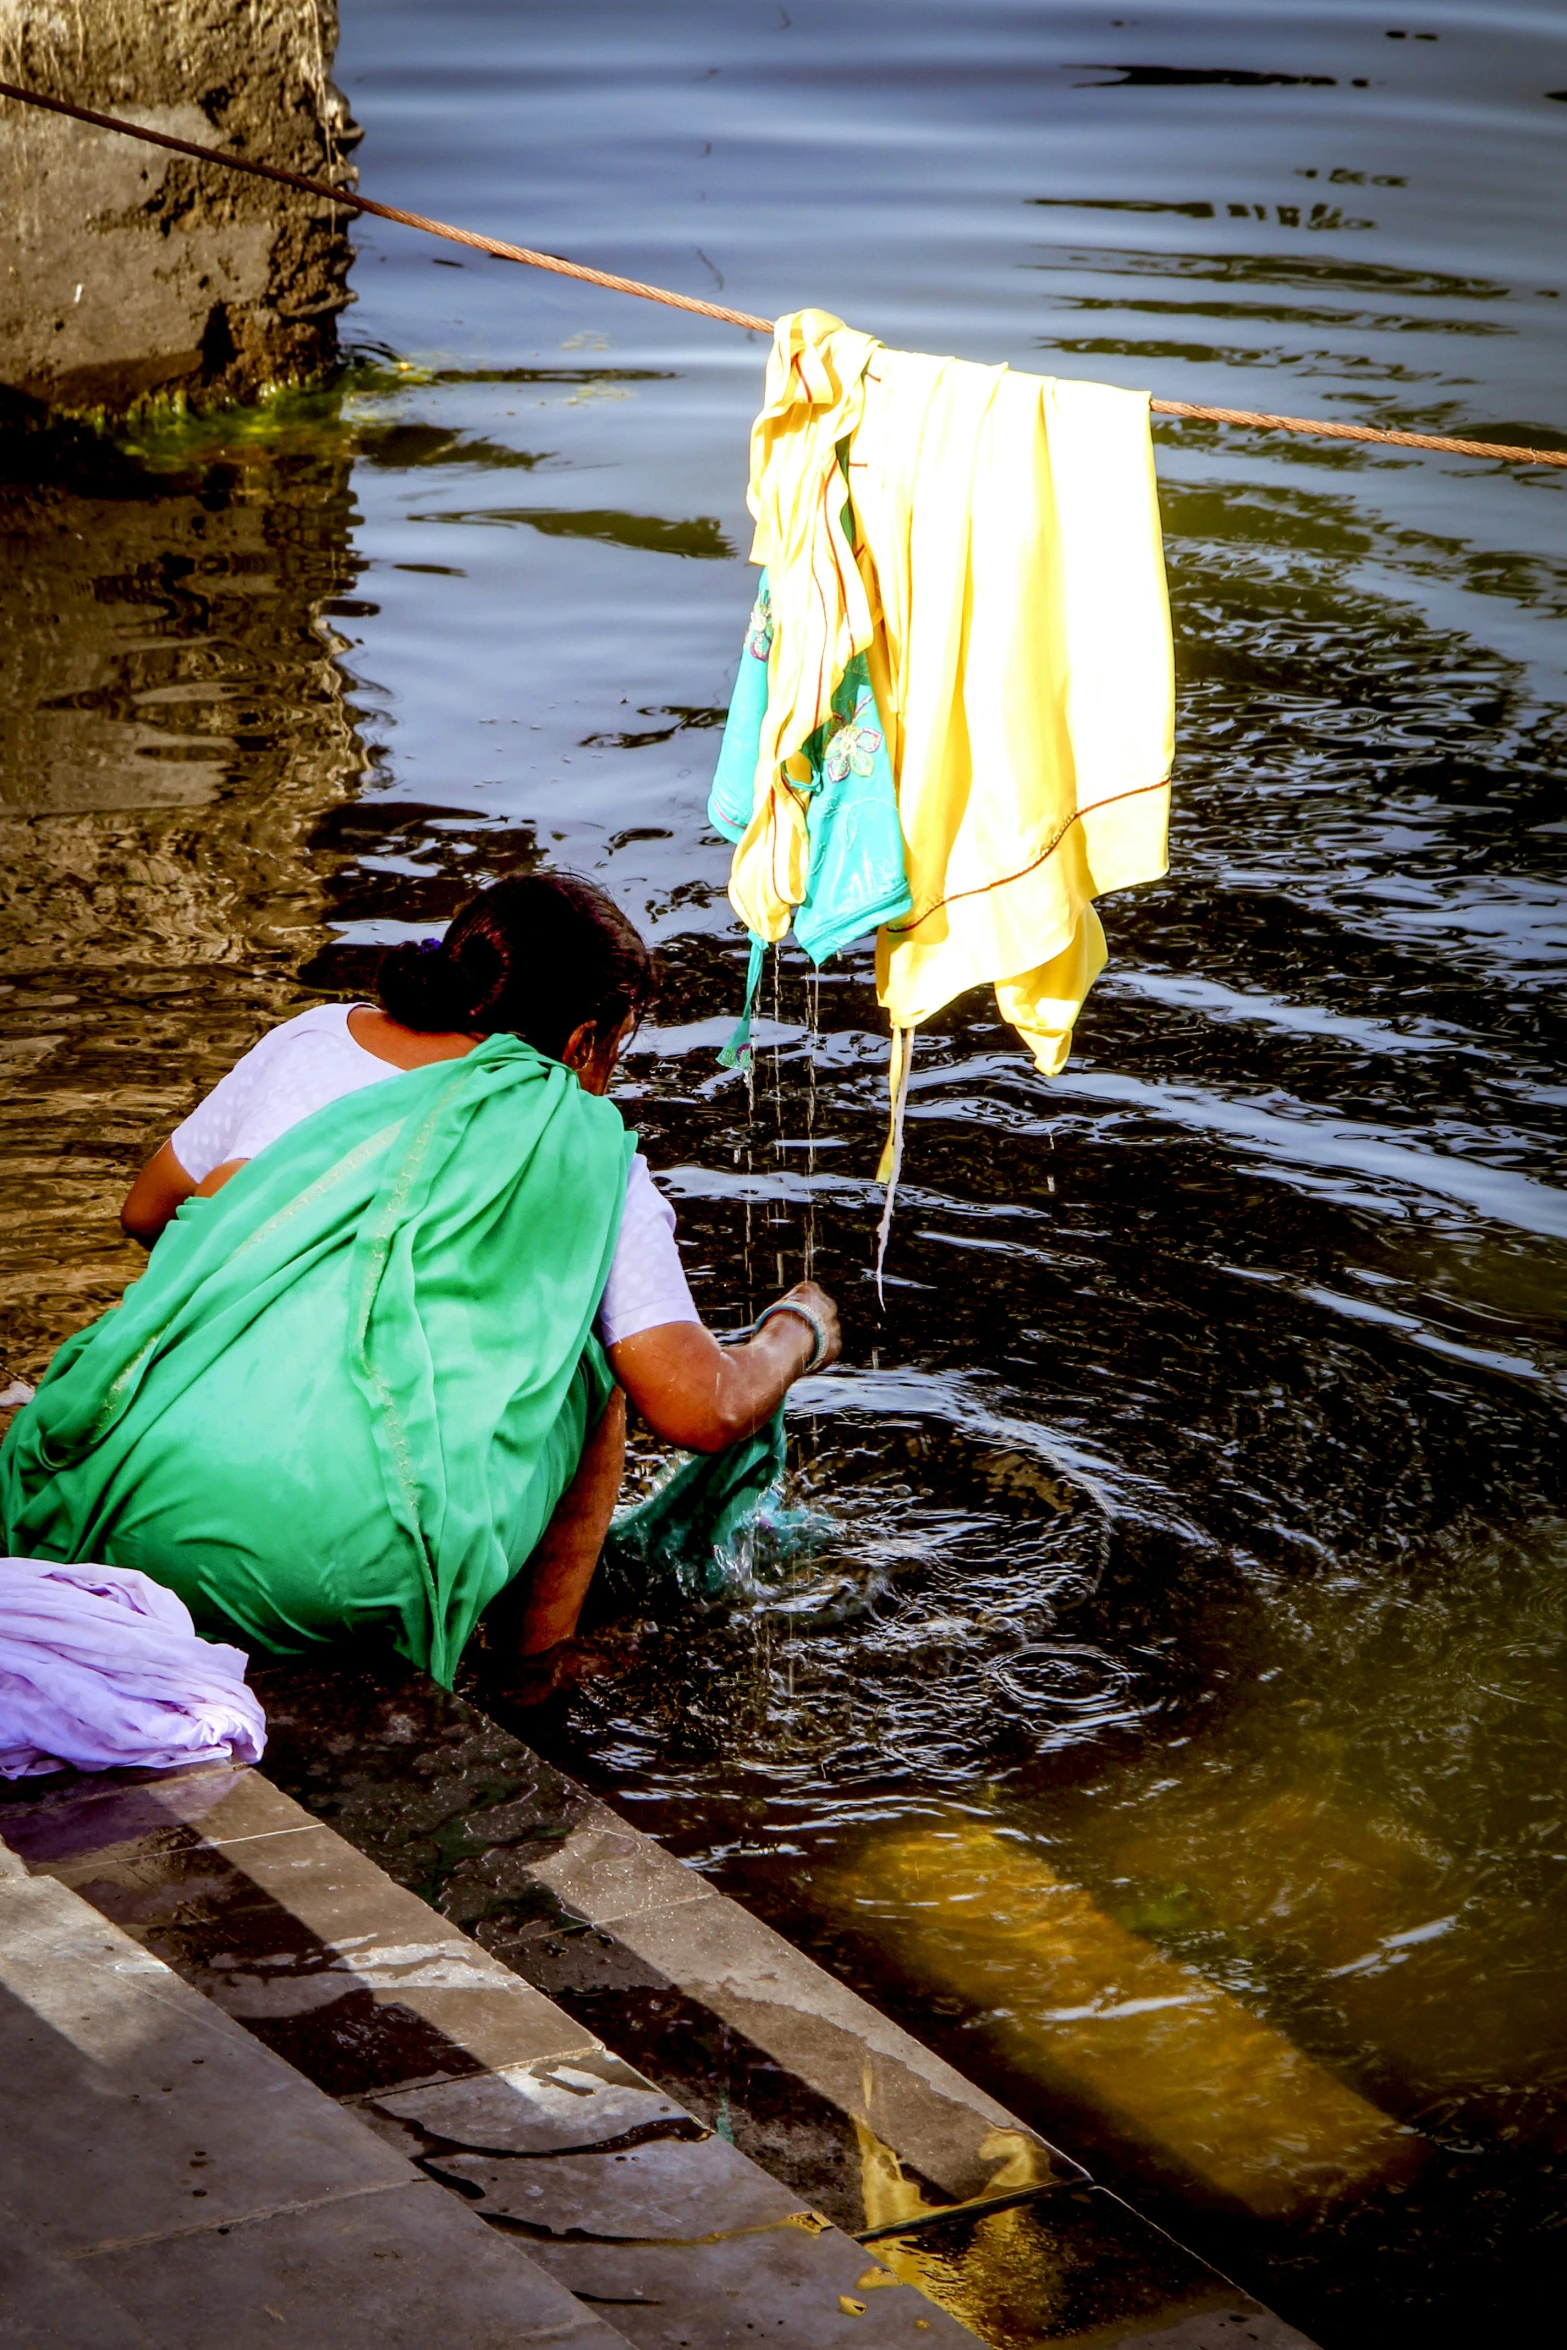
x=101 y=1668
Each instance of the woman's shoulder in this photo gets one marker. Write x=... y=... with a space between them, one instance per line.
x=296 y=1067
x=320 y=1027
x=646 y=1202
x=308 y=1039
x=315 y=1020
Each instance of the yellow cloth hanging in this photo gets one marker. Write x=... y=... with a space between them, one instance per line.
x=821 y=614
x=1005 y=578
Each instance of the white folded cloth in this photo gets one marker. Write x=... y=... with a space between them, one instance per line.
x=101 y=1668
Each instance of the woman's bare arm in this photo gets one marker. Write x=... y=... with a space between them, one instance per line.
x=162 y=1188
x=702 y=1396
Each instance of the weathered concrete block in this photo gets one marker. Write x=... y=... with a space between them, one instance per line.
x=624 y=2199
x=127 y=273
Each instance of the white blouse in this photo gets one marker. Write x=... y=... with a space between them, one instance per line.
x=314 y=1059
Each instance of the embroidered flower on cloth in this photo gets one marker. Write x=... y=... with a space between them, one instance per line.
x=853 y=748
x=759 y=628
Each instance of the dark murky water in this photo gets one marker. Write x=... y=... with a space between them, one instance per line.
x=1202 y=1528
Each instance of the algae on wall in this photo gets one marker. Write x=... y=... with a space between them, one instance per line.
x=127 y=273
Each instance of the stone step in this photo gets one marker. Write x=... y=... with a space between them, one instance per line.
x=866 y=2124
x=639 y=1948
x=480 y=2056
x=448 y=2071
x=166 y=2179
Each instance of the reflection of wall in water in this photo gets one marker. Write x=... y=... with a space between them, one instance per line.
x=127 y=271
x=172 y=729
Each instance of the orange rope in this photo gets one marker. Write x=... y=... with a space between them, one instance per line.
x=745 y=318
x=1361 y=432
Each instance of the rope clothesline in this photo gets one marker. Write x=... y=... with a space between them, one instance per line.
x=357 y=203
x=1444 y=443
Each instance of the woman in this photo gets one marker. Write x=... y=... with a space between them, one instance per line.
x=406 y=1267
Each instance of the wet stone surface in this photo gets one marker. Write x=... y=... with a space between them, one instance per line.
x=472 y=2081
x=294 y=1933
x=627 y=2200
x=640 y=1951
x=423 y=1783
x=158 y=2165
x=1077 y=2265
x=717 y=2071
x=763 y=2045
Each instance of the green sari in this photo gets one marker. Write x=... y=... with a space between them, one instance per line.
x=350 y=1389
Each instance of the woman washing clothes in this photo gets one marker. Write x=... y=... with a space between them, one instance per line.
x=407 y=1266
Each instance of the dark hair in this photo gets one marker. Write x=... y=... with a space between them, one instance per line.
x=535 y=957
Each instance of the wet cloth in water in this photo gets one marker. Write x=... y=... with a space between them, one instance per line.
x=351 y=1387
x=690 y=1538
x=101 y=1669
x=998 y=569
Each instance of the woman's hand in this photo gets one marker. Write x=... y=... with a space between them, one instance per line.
x=815 y=1301
x=702 y=1396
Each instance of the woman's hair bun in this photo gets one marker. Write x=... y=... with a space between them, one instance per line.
x=421 y=989
x=537 y=956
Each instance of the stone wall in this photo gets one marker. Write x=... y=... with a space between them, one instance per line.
x=173 y=733
x=127 y=273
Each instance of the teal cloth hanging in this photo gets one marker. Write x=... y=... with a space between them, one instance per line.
x=855 y=879
x=739 y=1043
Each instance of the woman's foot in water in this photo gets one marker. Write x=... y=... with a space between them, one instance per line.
x=549 y=1673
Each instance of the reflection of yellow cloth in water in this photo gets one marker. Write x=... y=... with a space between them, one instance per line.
x=1006 y=581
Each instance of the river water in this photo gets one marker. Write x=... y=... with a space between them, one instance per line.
x=1189 y=1603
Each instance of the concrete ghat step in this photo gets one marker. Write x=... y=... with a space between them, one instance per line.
x=755 y=2037
x=165 y=2179
x=450 y=2071
x=863 y=2122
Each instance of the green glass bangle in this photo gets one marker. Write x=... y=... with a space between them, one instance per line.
x=818 y=1332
